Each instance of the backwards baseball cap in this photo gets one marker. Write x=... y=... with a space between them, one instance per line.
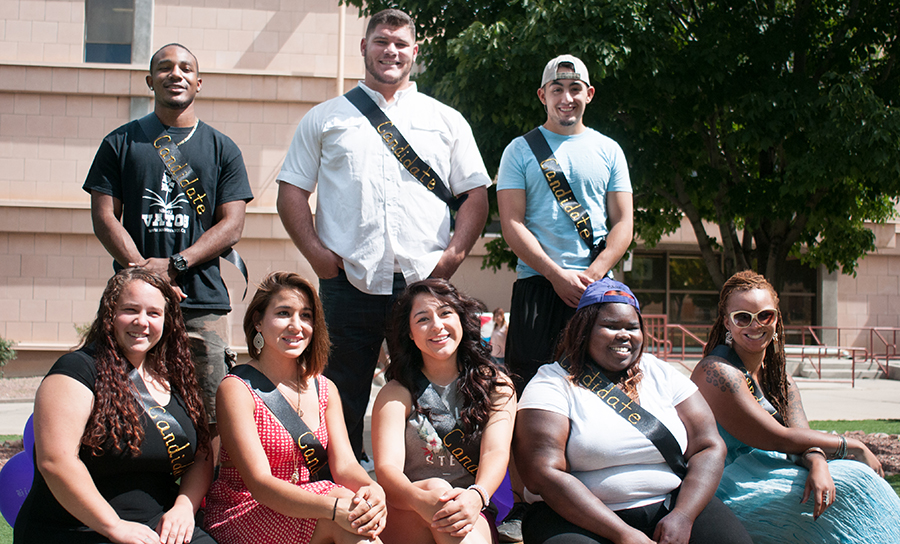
x=552 y=73
x=608 y=290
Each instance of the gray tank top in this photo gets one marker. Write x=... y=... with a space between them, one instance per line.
x=426 y=456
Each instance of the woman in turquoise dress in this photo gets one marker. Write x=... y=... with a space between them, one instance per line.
x=786 y=482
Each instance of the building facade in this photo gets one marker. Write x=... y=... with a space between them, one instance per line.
x=71 y=71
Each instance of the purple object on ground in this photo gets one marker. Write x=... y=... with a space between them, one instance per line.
x=15 y=483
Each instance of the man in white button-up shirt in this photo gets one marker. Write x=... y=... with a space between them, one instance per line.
x=377 y=227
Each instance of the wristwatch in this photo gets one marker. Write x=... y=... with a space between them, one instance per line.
x=179 y=263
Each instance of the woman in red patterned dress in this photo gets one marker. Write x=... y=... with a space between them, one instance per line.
x=265 y=492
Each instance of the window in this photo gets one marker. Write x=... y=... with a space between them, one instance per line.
x=108 y=31
x=680 y=287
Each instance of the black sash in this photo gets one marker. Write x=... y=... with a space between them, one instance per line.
x=561 y=190
x=401 y=149
x=178 y=446
x=447 y=426
x=180 y=171
x=596 y=382
x=726 y=352
x=314 y=454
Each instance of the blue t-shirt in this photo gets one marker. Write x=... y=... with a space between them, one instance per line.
x=594 y=165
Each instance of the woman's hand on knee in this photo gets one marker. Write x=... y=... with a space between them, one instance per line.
x=820 y=487
x=368 y=511
x=460 y=511
x=674 y=528
x=863 y=454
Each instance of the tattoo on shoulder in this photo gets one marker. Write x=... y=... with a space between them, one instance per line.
x=715 y=377
x=795 y=411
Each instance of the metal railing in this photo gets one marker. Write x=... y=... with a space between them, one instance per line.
x=679 y=343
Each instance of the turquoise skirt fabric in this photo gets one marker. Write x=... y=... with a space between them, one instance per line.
x=764 y=490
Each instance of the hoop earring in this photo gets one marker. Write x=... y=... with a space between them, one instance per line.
x=258 y=341
x=728 y=338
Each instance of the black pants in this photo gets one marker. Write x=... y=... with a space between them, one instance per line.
x=537 y=316
x=356 y=326
x=716 y=524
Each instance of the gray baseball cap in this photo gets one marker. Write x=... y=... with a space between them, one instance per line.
x=551 y=71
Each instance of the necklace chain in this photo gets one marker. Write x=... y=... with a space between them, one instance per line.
x=191 y=133
x=295 y=477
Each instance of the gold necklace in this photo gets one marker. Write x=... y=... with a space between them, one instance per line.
x=191 y=133
x=295 y=477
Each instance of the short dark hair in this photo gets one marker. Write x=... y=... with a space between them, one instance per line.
x=393 y=18
x=315 y=357
x=153 y=59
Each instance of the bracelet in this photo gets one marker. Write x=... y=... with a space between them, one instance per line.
x=841 y=453
x=815 y=449
x=482 y=494
x=334 y=510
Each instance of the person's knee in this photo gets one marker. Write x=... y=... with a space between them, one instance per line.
x=434 y=484
x=717 y=524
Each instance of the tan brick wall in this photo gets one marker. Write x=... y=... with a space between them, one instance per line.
x=286 y=36
x=40 y=31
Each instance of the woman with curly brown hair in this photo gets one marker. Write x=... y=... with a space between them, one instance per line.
x=761 y=418
x=442 y=426
x=282 y=430
x=121 y=442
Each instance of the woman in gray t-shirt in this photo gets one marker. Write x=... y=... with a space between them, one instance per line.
x=442 y=426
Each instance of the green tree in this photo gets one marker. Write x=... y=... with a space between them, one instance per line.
x=7 y=353
x=774 y=120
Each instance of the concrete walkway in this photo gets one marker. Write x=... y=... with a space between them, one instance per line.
x=870 y=399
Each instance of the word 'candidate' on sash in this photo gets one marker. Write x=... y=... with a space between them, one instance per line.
x=181 y=172
x=593 y=379
x=561 y=190
x=178 y=446
x=401 y=149
x=314 y=455
x=447 y=426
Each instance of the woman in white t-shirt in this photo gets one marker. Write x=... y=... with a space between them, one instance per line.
x=591 y=474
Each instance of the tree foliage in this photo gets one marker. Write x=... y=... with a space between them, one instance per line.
x=774 y=120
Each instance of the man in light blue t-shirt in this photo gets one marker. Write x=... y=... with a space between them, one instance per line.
x=555 y=262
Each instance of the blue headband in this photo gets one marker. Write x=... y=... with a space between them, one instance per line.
x=608 y=290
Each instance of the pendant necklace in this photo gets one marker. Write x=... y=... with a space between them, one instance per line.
x=295 y=477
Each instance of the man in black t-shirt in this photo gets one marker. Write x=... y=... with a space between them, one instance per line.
x=144 y=217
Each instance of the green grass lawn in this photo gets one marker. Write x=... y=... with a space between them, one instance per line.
x=889 y=426
x=868 y=426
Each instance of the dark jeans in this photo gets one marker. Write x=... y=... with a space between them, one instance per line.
x=356 y=325
x=716 y=524
x=537 y=316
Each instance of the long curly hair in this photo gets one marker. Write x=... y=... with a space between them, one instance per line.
x=315 y=357
x=773 y=377
x=114 y=424
x=480 y=377
x=575 y=342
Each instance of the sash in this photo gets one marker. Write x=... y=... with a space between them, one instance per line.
x=560 y=188
x=593 y=379
x=401 y=149
x=314 y=454
x=725 y=352
x=181 y=455
x=180 y=171
x=447 y=426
